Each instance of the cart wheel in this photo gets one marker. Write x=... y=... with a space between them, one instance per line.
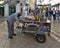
x=41 y=38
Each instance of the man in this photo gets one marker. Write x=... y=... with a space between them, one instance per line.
x=10 y=22
x=49 y=14
x=25 y=13
x=58 y=16
x=54 y=14
x=35 y=11
x=41 y=14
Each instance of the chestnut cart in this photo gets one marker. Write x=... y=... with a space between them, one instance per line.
x=38 y=28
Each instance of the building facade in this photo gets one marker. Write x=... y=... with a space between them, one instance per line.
x=11 y=6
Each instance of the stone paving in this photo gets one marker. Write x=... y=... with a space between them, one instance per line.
x=56 y=28
x=24 y=41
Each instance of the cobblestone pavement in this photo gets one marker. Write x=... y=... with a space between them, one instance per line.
x=24 y=41
x=56 y=27
x=2 y=19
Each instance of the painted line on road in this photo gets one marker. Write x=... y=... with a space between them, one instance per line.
x=55 y=33
x=55 y=37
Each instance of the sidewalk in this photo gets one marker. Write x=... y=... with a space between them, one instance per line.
x=2 y=19
x=55 y=29
x=23 y=41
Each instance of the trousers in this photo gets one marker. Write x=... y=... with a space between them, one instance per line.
x=10 y=29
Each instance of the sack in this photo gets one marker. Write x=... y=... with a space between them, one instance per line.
x=30 y=18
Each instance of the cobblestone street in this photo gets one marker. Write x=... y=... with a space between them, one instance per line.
x=29 y=24
x=24 y=41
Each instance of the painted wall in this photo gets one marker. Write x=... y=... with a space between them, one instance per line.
x=17 y=8
x=6 y=10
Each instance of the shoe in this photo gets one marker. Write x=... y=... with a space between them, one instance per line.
x=10 y=37
x=14 y=34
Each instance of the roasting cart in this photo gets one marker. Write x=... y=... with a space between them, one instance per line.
x=38 y=28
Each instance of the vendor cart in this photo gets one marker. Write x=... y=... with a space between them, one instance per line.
x=37 y=27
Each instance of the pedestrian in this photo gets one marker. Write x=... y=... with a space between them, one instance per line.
x=25 y=13
x=41 y=14
x=49 y=15
x=10 y=23
x=58 y=16
x=54 y=14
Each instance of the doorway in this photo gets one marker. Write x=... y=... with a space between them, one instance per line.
x=12 y=9
x=1 y=10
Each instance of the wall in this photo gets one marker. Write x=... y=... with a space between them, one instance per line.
x=6 y=10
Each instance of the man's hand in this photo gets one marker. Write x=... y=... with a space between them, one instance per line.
x=17 y=22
